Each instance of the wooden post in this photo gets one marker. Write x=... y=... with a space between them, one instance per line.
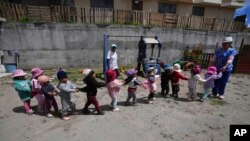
x=240 y=51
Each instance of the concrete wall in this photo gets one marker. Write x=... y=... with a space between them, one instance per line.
x=68 y=45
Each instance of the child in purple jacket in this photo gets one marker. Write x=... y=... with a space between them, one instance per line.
x=210 y=76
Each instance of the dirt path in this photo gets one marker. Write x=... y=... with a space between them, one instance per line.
x=166 y=119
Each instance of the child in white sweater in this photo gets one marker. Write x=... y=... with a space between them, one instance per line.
x=192 y=82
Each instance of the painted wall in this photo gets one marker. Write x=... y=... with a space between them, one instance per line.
x=184 y=7
x=68 y=45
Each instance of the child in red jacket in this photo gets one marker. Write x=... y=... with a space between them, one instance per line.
x=176 y=76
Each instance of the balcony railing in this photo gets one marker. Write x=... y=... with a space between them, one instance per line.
x=232 y=3
x=208 y=2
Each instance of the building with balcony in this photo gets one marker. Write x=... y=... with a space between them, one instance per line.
x=208 y=8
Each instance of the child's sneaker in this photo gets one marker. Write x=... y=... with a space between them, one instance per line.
x=127 y=103
x=150 y=102
x=175 y=95
x=134 y=104
x=116 y=109
x=85 y=111
x=66 y=117
x=101 y=113
x=49 y=115
x=221 y=97
x=30 y=112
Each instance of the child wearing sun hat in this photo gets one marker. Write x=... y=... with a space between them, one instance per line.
x=150 y=83
x=176 y=76
x=36 y=89
x=132 y=82
x=114 y=87
x=23 y=87
x=210 y=76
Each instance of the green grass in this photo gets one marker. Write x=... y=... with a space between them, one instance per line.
x=217 y=102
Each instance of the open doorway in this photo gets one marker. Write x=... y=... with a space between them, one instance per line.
x=137 y=5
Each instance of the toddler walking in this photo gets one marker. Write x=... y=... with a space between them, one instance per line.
x=210 y=76
x=176 y=76
x=91 y=90
x=49 y=92
x=192 y=82
x=165 y=78
x=114 y=87
x=132 y=82
x=23 y=87
x=150 y=83
x=36 y=89
x=66 y=88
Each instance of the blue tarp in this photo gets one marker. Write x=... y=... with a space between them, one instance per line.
x=245 y=10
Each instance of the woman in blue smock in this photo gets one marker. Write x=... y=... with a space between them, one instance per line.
x=223 y=61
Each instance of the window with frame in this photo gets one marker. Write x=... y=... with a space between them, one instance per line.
x=102 y=3
x=137 y=5
x=167 y=8
x=198 y=11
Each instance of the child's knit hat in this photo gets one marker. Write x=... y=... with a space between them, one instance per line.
x=87 y=72
x=131 y=72
x=167 y=67
x=196 y=69
x=212 y=70
x=61 y=75
x=43 y=79
x=177 y=68
x=36 y=72
x=17 y=73
x=152 y=71
x=110 y=75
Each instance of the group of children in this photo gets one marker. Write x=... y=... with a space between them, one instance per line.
x=41 y=88
x=174 y=75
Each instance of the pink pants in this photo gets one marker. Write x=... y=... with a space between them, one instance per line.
x=41 y=102
x=27 y=105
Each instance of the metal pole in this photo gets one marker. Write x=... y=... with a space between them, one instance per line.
x=105 y=52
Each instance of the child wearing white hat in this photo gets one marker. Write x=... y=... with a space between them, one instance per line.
x=150 y=83
x=176 y=76
x=91 y=90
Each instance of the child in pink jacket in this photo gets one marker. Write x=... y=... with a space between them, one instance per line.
x=114 y=86
x=36 y=89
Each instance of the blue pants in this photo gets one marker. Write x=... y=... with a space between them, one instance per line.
x=220 y=84
x=207 y=92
